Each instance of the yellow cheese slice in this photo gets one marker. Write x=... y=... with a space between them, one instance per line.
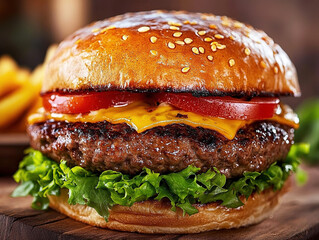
x=141 y=116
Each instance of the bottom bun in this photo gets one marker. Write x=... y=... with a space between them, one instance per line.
x=157 y=217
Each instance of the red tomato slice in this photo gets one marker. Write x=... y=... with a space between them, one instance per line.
x=223 y=107
x=83 y=103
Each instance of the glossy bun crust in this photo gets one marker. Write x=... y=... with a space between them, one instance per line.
x=156 y=217
x=172 y=51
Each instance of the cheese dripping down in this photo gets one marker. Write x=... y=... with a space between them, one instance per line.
x=141 y=117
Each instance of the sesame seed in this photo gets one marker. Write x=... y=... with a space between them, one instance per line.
x=262 y=64
x=188 y=40
x=204 y=17
x=211 y=16
x=231 y=62
x=175 y=24
x=173 y=28
x=238 y=24
x=143 y=29
x=153 y=39
x=153 y=52
x=219 y=36
x=185 y=69
x=171 y=45
x=220 y=46
x=195 y=50
x=265 y=38
x=177 y=34
x=107 y=28
x=212 y=26
x=247 y=51
x=201 y=33
x=78 y=41
x=193 y=23
x=95 y=30
x=275 y=69
x=186 y=22
x=208 y=39
x=201 y=49
x=231 y=37
x=210 y=57
x=180 y=43
x=124 y=37
x=213 y=47
x=226 y=23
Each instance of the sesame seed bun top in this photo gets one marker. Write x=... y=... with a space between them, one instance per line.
x=172 y=51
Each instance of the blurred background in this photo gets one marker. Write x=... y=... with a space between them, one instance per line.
x=29 y=27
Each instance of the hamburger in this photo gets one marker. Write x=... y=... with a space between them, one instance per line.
x=163 y=122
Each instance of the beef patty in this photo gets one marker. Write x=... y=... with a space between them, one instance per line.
x=101 y=146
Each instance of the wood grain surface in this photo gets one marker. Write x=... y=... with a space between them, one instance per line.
x=296 y=218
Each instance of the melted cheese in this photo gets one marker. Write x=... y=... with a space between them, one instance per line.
x=141 y=116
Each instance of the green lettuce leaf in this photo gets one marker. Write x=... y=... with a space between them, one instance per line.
x=39 y=177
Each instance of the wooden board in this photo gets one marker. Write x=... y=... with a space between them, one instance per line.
x=296 y=218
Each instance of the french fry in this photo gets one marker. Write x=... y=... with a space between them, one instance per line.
x=7 y=64
x=11 y=77
x=22 y=91
x=8 y=83
x=12 y=106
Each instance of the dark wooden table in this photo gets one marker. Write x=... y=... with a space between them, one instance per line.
x=296 y=218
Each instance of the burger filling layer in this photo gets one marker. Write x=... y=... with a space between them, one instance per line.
x=120 y=148
x=104 y=146
x=40 y=177
x=144 y=115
